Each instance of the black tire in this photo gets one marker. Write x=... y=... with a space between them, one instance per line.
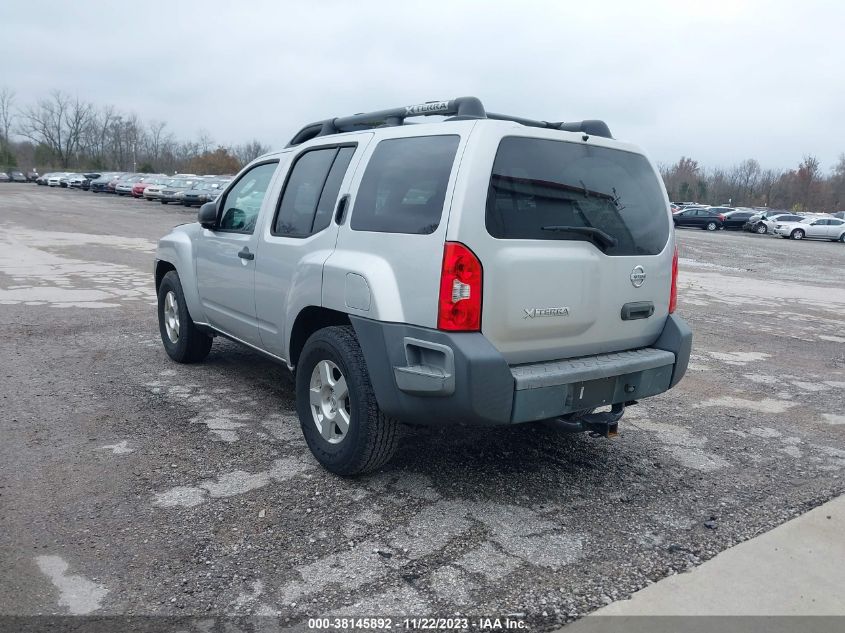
x=761 y=229
x=163 y=201
x=711 y=226
x=842 y=238
x=797 y=234
x=372 y=436
x=192 y=345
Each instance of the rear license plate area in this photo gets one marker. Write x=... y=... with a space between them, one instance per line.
x=592 y=393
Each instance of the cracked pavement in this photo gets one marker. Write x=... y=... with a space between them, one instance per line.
x=132 y=485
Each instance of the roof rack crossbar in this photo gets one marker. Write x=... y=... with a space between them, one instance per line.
x=462 y=108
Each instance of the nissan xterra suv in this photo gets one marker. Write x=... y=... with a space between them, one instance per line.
x=482 y=269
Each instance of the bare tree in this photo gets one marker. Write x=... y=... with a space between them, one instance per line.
x=807 y=175
x=57 y=122
x=154 y=139
x=746 y=176
x=248 y=152
x=96 y=137
x=205 y=141
x=7 y=115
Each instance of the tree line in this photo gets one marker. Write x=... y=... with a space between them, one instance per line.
x=804 y=188
x=61 y=131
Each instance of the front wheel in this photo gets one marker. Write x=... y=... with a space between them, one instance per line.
x=183 y=341
x=711 y=226
x=761 y=229
x=842 y=238
x=340 y=418
x=797 y=234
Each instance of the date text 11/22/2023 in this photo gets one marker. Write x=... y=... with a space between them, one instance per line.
x=417 y=624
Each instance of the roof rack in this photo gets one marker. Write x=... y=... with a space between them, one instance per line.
x=460 y=109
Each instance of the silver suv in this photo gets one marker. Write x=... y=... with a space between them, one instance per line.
x=482 y=269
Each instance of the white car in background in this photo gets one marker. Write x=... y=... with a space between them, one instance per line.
x=820 y=228
x=55 y=180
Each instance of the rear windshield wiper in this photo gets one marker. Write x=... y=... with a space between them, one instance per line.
x=608 y=241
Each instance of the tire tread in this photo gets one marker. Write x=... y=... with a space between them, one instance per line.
x=383 y=436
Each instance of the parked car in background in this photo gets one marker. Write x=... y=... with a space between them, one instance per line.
x=153 y=191
x=819 y=228
x=31 y=176
x=113 y=184
x=735 y=220
x=839 y=214
x=74 y=181
x=703 y=218
x=17 y=176
x=99 y=185
x=763 y=224
x=55 y=179
x=203 y=191
x=175 y=188
x=146 y=181
x=4 y=177
x=124 y=186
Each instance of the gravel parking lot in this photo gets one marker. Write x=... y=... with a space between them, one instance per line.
x=133 y=485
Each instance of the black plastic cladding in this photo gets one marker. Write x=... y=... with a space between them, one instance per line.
x=459 y=109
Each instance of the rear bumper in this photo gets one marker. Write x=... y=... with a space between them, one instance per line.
x=430 y=377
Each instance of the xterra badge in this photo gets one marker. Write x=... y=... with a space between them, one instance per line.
x=531 y=313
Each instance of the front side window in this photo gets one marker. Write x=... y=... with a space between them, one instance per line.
x=404 y=186
x=243 y=201
x=557 y=190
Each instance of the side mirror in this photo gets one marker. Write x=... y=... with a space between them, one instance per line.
x=207 y=216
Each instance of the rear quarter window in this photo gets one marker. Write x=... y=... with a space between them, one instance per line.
x=404 y=185
x=537 y=183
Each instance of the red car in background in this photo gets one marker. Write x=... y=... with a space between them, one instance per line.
x=139 y=187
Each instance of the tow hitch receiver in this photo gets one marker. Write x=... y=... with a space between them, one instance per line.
x=604 y=424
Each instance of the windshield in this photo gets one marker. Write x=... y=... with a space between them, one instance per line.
x=556 y=190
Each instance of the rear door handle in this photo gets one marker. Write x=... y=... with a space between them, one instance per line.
x=340 y=214
x=245 y=254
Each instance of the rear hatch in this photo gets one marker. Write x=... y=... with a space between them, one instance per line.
x=575 y=233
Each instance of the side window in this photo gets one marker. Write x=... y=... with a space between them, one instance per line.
x=328 y=199
x=311 y=191
x=404 y=185
x=243 y=200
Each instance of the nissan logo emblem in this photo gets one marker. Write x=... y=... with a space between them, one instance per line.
x=637 y=276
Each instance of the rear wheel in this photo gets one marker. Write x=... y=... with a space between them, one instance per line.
x=183 y=341
x=711 y=226
x=340 y=418
x=842 y=238
x=797 y=234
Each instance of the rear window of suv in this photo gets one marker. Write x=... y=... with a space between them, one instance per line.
x=404 y=186
x=556 y=190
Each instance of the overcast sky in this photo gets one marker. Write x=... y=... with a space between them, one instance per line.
x=717 y=80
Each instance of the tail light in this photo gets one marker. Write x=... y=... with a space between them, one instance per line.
x=459 y=308
x=673 y=292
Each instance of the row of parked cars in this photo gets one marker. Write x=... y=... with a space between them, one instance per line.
x=797 y=226
x=186 y=189
x=18 y=176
